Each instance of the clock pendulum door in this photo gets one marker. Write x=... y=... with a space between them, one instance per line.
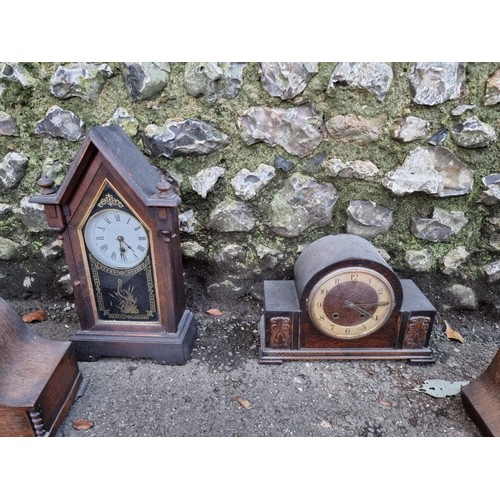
x=119 y=262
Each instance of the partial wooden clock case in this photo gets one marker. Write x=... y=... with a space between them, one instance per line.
x=481 y=399
x=344 y=303
x=118 y=219
x=39 y=379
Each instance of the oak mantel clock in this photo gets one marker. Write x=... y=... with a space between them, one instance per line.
x=118 y=219
x=344 y=303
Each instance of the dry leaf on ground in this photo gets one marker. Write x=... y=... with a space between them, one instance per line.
x=38 y=315
x=440 y=388
x=451 y=333
x=215 y=312
x=243 y=402
x=82 y=424
x=383 y=402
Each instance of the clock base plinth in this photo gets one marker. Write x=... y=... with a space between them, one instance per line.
x=270 y=356
x=162 y=347
x=481 y=399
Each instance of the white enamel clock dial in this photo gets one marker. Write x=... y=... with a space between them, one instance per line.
x=116 y=239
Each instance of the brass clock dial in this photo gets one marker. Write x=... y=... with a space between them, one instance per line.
x=351 y=302
x=116 y=239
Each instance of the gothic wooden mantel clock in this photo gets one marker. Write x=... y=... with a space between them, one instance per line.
x=344 y=303
x=118 y=219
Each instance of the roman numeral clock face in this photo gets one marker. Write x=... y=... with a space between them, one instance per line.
x=116 y=239
x=119 y=262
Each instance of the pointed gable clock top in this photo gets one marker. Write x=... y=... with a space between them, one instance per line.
x=129 y=164
x=117 y=217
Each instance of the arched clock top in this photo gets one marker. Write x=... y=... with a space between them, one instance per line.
x=339 y=251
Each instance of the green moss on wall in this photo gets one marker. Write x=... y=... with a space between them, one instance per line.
x=27 y=106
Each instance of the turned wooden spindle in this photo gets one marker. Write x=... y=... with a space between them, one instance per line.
x=46 y=184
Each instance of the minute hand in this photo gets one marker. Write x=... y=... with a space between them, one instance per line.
x=367 y=304
x=358 y=308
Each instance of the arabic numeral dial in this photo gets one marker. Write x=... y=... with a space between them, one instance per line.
x=351 y=302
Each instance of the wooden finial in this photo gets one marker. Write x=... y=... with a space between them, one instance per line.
x=163 y=187
x=46 y=184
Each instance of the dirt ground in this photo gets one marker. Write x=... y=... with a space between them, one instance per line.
x=223 y=390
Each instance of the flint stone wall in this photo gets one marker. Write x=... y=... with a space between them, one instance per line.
x=267 y=158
